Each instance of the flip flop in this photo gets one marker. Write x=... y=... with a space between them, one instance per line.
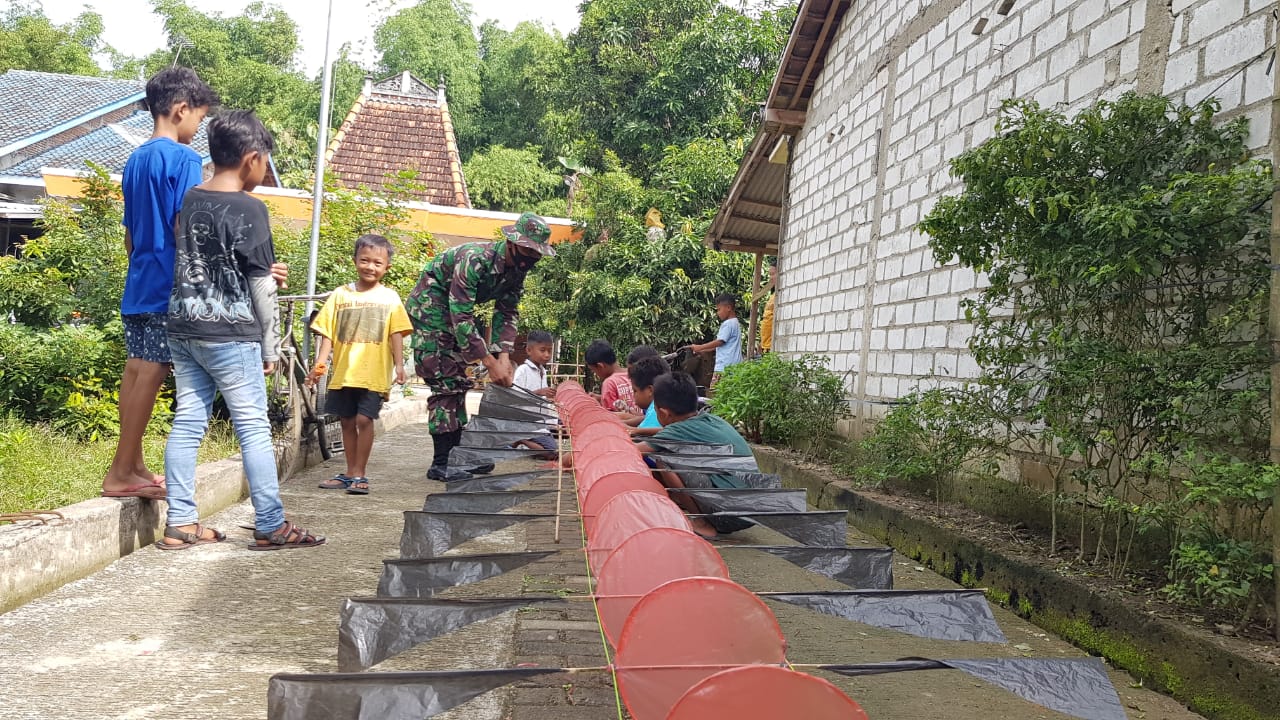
x=146 y=491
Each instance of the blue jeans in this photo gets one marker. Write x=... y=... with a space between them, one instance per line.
x=235 y=370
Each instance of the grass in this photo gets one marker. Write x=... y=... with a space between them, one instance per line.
x=42 y=469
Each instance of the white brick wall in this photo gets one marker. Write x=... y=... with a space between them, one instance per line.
x=861 y=286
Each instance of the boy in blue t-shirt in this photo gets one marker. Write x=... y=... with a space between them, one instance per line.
x=643 y=373
x=157 y=176
x=728 y=342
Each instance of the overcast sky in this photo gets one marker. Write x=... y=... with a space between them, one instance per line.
x=133 y=29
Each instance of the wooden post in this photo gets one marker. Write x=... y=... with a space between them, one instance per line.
x=753 y=346
x=1273 y=326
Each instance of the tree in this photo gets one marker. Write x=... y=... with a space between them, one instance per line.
x=502 y=178
x=521 y=73
x=649 y=74
x=30 y=41
x=434 y=40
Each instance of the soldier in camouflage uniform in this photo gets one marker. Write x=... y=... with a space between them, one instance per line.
x=445 y=337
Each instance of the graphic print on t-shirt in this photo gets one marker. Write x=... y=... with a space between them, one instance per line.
x=362 y=322
x=208 y=285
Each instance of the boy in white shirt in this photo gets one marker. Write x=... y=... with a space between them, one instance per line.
x=532 y=376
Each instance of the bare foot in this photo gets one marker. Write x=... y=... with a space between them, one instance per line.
x=131 y=482
x=703 y=528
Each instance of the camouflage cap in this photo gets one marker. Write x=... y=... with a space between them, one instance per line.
x=532 y=232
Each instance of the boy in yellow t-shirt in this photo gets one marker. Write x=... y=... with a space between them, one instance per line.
x=364 y=324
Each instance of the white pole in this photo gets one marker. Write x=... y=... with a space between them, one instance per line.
x=322 y=145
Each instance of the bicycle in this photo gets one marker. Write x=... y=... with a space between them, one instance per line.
x=295 y=410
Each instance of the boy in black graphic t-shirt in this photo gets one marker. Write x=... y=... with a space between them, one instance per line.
x=223 y=335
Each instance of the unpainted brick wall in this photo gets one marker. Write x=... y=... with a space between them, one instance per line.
x=907 y=87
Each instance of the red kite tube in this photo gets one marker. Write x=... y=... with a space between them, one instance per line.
x=610 y=486
x=646 y=561
x=629 y=513
x=762 y=691
x=617 y=461
x=685 y=631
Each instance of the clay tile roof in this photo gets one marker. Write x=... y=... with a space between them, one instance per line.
x=401 y=124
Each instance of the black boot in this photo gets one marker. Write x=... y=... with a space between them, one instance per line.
x=479 y=470
x=441 y=444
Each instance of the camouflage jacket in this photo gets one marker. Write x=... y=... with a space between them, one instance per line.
x=453 y=282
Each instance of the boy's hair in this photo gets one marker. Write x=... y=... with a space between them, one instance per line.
x=600 y=352
x=235 y=133
x=677 y=392
x=374 y=241
x=175 y=85
x=642 y=351
x=727 y=299
x=539 y=337
x=647 y=369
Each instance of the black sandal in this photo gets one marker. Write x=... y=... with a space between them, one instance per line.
x=189 y=540
x=281 y=538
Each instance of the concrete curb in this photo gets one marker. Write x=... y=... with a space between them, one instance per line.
x=36 y=559
x=1193 y=667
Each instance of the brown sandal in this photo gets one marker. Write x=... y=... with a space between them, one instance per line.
x=286 y=536
x=189 y=540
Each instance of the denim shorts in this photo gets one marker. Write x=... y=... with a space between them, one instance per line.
x=145 y=337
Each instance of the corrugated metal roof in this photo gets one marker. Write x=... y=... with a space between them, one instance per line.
x=109 y=146
x=34 y=102
x=750 y=219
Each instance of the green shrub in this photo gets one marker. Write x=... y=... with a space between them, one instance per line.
x=923 y=441
x=782 y=401
x=61 y=375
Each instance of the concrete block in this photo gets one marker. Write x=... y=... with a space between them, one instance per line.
x=1034 y=14
x=947 y=308
x=1259 y=128
x=915 y=338
x=1086 y=80
x=1228 y=90
x=922 y=365
x=1052 y=34
x=935 y=337
x=896 y=339
x=939 y=282
x=924 y=311
x=1233 y=47
x=1085 y=13
x=1067 y=57
x=1213 y=16
x=1109 y=33
x=902 y=364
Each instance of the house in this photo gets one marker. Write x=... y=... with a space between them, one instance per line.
x=398 y=124
x=55 y=122
x=870 y=104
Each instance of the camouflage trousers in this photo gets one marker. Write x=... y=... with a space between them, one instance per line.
x=441 y=366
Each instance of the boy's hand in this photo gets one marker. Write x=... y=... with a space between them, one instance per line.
x=268 y=367
x=401 y=379
x=697 y=348
x=280 y=273
x=316 y=373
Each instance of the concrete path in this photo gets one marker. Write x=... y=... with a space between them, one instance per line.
x=196 y=634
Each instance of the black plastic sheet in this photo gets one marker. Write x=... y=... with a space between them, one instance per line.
x=713 y=500
x=720 y=464
x=384 y=696
x=421 y=578
x=498 y=438
x=492 y=409
x=427 y=535
x=936 y=614
x=862 y=568
x=471 y=457
x=819 y=528
x=371 y=630
x=480 y=502
x=491 y=424
x=1078 y=687
x=750 y=480
x=493 y=483
x=684 y=447
x=517 y=397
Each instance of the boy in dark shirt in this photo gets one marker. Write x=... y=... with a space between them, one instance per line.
x=222 y=329
x=676 y=396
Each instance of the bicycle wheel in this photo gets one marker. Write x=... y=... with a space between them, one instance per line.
x=285 y=410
